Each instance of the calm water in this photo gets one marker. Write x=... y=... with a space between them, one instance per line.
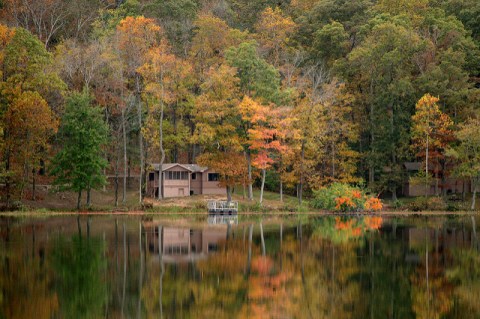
x=299 y=267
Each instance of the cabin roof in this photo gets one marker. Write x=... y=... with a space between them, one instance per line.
x=194 y=168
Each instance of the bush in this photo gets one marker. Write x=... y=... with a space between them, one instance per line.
x=453 y=207
x=430 y=203
x=436 y=203
x=397 y=204
x=419 y=204
x=345 y=198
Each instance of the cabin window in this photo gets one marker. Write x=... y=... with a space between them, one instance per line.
x=194 y=175
x=213 y=177
x=176 y=250
x=151 y=177
x=212 y=247
x=176 y=175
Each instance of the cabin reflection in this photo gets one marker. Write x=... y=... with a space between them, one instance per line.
x=183 y=244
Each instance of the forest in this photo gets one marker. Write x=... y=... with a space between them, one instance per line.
x=284 y=95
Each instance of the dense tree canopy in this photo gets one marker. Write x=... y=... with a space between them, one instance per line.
x=338 y=79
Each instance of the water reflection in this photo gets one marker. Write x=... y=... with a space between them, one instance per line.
x=183 y=244
x=349 y=267
x=222 y=219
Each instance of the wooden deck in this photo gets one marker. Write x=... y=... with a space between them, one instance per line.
x=222 y=207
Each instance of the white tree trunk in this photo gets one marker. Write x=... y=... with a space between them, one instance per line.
x=124 y=135
x=162 y=151
x=263 y=185
x=250 y=187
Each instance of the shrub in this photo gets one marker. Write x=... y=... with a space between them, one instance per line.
x=430 y=203
x=373 y=204
x=419 y=204
x=397 y=204
x=436 y=203
x=345 y=198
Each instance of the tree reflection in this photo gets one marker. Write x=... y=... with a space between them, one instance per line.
x=335 y=267
x=25 y=281
x=79 y=267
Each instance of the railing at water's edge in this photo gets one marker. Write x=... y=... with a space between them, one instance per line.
x=215 y=219
x=222 y=207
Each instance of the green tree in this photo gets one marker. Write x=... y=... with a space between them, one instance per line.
x=79 y=266
x=258 y=79
x=176 y=17
x=331 y=42
x=79 y=165
x=379 y=74
x=468 y=154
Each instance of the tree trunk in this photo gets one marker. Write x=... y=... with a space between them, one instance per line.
x=140 y=137
x=474 y=195
x=89 y=190
x=175 y=146
x=474 y=232
x=300 y=184
x=124 y=133
x=263 y=185
x=162 y=270
x=281 y=190
x=79 y=199
x=250 y=187
x=124 y=268
x=426 y=170
x=89 y=223
x=79 y=227
x=140 y=275
x=262 y=239
x=7 y=177
x=162 y=151
x=229 y=194
x=333 y=161
x=444 y=179
x=116 y=181
x=371 y=165
x=33 y=186
x=249 y=256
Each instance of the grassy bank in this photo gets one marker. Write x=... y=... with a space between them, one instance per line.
x=103 y=202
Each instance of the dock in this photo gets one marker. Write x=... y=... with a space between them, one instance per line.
x=222 y=207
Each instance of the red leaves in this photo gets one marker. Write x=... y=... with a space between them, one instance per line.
x=265 y=134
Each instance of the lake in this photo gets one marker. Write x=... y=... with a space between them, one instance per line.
x=245 y=267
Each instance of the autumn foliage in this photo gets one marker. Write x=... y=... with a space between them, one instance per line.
x=344 y=198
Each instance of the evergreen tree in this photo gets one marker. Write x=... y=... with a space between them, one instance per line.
x=79 y=165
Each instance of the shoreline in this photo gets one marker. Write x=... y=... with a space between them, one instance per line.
x=272 y=214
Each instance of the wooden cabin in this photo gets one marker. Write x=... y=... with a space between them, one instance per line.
x=452 y=185
x=183 y=180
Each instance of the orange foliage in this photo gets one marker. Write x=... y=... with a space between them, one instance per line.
x=373 y=223
x=354 y=227
x=344 y=203
x=341 y=225
x=262 y=265
x=265 y=289
x=356 y=194
x=373 y=204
